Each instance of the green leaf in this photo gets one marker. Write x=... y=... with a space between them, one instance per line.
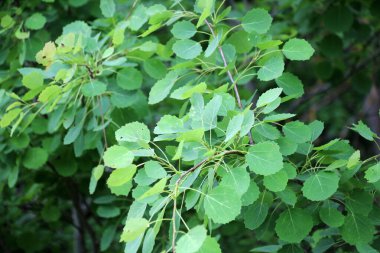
x=222 y=204
x=155 y=68
x=372 y=174
x=169 y=124
x=35 y=22
x=257 y=20
x=357 y=229
x=234 y=126
x=108 y=211
x=154 y=169
x=364 y=131
x=353 y=160
x=187 y=91
x=191 y=135
x=187 y=49
x=276 y=182
x=49 y=93
x=117 y=157
x=271 y=69
x=264 y=158
x=210 y=245
x=183 y=30
x=96 y=174
x=210 y=113
x=251 y=195
x=161 y=88
x=320 y=186
x=297 y=131
x=33 y=80
x=107 y=7
x=338 y=18
x=291 y=85
x=107 y=237
x=133 y=228
x=297 y=50
x=365 y=248
x=331 y=216
x=192 y=241
x=121 y=176
x=93 y=88
x=35 y=158
x=255 y=215
x=157 y=188
x=268 y=97
x=238 y=179
x=248 y=121
x=9 y=117
x=293 y=225
x=133 y=132
x=129 y=78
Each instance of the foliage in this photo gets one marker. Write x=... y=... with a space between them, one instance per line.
x=142 y=117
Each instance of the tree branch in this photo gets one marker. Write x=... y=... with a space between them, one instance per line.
x=229 y=76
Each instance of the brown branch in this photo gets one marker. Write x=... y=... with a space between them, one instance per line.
x=236 y=90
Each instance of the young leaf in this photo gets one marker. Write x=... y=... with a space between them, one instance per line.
x=117 y=157
x=297 y=50
x=121 y=176
x=133 y=228
x=157 y=188
x=264 y=158
x=320 y=186
x=257 y=20
x=293 y=225
x=268 y=97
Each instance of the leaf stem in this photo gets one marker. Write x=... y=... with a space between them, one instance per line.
x=237 y=96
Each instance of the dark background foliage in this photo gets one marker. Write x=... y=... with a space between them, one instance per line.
x=46 y=212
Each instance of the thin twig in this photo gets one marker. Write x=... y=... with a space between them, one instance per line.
x=183 y=175
x=102 y=118
x=229 y=76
